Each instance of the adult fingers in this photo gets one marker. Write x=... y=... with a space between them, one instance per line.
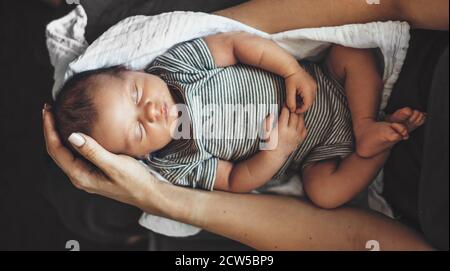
x=62 y=156
x=92 y=151
x=82 y=175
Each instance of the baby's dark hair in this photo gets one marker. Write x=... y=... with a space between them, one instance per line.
x=74 y=108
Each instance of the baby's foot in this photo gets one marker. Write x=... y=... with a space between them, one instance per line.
x=412 y=119
x=375 y=137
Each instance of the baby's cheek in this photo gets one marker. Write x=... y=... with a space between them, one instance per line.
x=157 y=140
x=112 y=145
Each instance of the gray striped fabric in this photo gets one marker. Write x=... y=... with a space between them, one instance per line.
x=226 y=107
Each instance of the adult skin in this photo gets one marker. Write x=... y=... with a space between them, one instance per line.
x=281 y=15
x=293 y=224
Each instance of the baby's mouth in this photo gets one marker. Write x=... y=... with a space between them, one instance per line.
x=164 y=111
x=172 y=111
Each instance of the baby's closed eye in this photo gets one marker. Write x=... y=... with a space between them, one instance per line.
x=135 y=94
x=139 y=132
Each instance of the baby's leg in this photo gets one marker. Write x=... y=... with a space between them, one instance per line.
x=357 y=70
x=332 y=183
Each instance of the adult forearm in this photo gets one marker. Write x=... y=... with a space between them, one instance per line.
x=278 y=223
x=277 y=16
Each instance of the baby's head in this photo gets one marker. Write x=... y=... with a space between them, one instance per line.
x=127 y=112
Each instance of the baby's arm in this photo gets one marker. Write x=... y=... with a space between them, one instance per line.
x=250 y=174
x=228 y=49
x=253 y=173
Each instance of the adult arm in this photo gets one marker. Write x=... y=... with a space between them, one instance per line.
x=293 y=224
x=293 y=14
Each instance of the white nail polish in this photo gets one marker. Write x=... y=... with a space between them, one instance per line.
x=77 y=140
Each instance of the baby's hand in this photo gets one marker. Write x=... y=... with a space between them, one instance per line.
x=288 y=133
x=300 y=85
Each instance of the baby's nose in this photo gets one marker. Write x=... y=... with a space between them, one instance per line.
x=151 y=113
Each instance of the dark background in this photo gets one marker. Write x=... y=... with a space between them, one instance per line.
x=27 y=220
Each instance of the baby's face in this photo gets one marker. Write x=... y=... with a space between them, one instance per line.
x=136 y=111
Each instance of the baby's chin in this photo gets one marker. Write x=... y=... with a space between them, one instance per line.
x=135 y=155
x=138 y=156
x=118 y=150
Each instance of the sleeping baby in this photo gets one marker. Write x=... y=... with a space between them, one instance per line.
x=234 y=111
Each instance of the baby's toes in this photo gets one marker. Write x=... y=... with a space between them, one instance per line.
x=422 y=119
x=400 y=131
x=414 y=118
x=401 y=115
x=404 y=114
x=414 y=121
x=394 y=137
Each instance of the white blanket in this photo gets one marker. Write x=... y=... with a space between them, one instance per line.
x=136 y=41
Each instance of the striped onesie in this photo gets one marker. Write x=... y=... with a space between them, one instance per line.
x=227 y=105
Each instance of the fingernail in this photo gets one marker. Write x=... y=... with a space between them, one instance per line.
x=44 y=109
x=77 y=140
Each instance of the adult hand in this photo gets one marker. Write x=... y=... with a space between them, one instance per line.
x=118 y=177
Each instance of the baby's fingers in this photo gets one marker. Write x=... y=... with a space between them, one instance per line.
x=284 y=117
x=301 y=122
x=291 y=97
x=268 y=126
x=301 y=128
x=269 y=140
x=308 y=97
x=293 y=120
